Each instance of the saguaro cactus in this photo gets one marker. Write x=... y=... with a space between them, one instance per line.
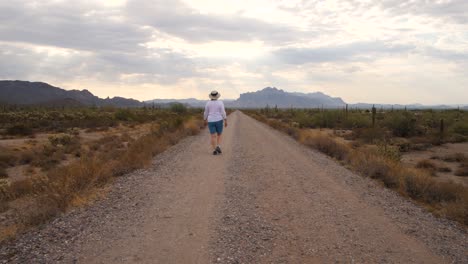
x=374 y=112
x=442 y=127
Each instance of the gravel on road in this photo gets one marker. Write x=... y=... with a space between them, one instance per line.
x=266 y=199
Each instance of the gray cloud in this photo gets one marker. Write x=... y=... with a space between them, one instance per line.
x=160 y=66
x=447 y=55
x=16 y=62
x=107 y=44
x=454 y=10
x=348 y=52
x=68 y=25
x=175 y=18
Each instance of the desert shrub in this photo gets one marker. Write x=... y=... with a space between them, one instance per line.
x=463 y=169
x=49 y=157
x=444 y=169
x=124 y=115
x=455 y=157
x=176 y=123
x=461 y=128
x=305 y=120
x=328 y=119
x=61 y=139
x=18 y=189
x=369 y=135
x=357 y=120
x=403 y=144
x=402 y=124
x=456 y=138
x=438 y=192
x=38 y=212
x=421 y=146
x=193 y=126
x=329 y=146
x=457 y=210
x=376 y=167
x=178 y=108
x=416 y=185
x=427 y=165
x=388 y=151
x=65 y=142
x=422 y=187
x=173 y=138
x=7 y=159
x=293 y=132
x=26 y=157
x=19 y=130
x=3 y=173
x=276 y=124
x=3 y=207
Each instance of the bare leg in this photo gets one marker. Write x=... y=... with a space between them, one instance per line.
x=213 y=141
x=219 y=140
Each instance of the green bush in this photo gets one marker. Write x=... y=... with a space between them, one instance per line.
x=402 y=124
x=461 y=128
x=178 y=108
x=62 y=139
x=369 y=135
x=357 y=120
x=124 y=115
x=20 y=130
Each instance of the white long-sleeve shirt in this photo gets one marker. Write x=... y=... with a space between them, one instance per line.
x=214 y=111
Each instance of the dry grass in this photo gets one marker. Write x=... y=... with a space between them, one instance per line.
x=446 y=199
x=428 y=166
x=463 y=169
x=193 y=126
x=369 y=164
x=3 y=173
x=8 y=232
x=444 y=169
x=456 y=157
x=42 y=198
x=327 y=145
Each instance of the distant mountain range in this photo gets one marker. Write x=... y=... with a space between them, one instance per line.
x=273 y=97
x=39 y=93
x=269 y=96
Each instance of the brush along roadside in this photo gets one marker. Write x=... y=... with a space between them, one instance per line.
x=34 y=201
x=445 y=199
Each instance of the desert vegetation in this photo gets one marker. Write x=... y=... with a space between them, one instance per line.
x=54 y=159
x=372 y=142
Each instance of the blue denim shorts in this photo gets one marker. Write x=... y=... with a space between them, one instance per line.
x=216 y=127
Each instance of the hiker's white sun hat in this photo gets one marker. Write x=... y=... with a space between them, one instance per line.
x=214 y=95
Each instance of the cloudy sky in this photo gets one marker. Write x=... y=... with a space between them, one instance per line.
x=376 y=51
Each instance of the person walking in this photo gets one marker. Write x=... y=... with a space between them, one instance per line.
x=215 y=115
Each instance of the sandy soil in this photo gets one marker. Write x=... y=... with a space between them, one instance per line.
x=19 y=145
x=266 y=199
x=412 y=158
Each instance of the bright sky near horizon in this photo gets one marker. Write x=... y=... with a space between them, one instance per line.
x=375 y=51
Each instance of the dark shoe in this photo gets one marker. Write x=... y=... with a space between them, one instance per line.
x=218 y=149
x=215 y=152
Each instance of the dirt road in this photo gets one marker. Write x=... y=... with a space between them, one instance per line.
x=266 y=199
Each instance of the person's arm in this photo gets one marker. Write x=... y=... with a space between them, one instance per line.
x=224 y=114
x=205 y=114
